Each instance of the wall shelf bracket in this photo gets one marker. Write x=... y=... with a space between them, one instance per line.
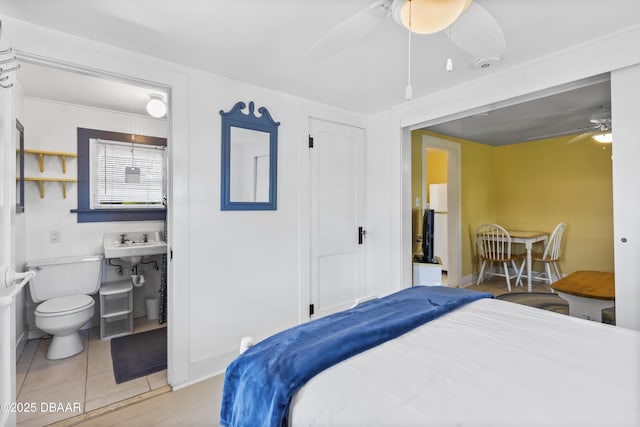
x=41 y=181
x=42 y=153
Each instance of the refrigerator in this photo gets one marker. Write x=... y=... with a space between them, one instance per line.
x=438 y=202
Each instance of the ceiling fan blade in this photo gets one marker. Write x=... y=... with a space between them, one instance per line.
x=589 y=131
x=477 y=33
x=580 y=137
x=350 y=31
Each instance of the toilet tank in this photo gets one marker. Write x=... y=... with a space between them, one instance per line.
x=60 y=277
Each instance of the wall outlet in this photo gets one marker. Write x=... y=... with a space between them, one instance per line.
x=55 y=236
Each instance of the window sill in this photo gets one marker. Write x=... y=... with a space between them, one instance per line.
x=108 y=215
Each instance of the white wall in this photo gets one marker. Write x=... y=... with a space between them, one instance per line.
x=383 y=252
x=243 y=265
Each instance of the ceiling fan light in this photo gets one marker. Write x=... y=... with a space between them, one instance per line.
x=428 y=16
x=604 y=138
x=156 y=106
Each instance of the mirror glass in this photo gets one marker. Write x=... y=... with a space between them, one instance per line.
x=249 y=159
x=19 y=167
x=249 y=165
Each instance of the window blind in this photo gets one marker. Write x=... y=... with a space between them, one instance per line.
x=109 y=188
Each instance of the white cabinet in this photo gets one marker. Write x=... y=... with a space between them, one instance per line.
x=427 y=274
x=116 y=309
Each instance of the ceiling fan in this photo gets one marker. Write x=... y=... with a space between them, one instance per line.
x=599 y=128
x=467 y=24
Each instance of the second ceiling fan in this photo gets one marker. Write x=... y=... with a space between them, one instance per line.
x=599 y=128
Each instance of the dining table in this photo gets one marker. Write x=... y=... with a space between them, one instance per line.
x=528 y=238
x=587 y=292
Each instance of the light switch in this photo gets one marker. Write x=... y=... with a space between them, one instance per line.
x=55 y=236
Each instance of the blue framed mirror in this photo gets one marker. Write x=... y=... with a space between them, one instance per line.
x=249 y=159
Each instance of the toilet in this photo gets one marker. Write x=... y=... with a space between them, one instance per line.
x=62 y=289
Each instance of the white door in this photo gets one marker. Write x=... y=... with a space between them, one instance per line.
x=7 y=209
x=337 y=190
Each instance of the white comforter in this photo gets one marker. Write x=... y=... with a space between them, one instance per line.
x=489 y=363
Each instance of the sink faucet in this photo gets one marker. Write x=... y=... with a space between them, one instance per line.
x=122 y=240
x=146 y=238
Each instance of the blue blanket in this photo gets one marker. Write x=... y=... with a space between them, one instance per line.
x=260 y=383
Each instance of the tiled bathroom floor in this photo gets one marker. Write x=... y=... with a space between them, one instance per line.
x=82 y=383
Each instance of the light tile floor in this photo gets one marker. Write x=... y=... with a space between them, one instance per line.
x=80 y=383
x=197 y=405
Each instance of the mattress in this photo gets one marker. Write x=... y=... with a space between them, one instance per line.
x=488 y=363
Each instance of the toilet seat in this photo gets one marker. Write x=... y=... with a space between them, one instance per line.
x=64 y=305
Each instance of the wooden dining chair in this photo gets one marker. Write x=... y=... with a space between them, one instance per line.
x=549 y=257
x=494 y=245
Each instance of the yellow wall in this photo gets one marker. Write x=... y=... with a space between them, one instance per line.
x=436 y=166
x=535 y=185
x=540 y=184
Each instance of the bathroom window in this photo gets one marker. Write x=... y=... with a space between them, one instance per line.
x=127 y=175
x=121 y=177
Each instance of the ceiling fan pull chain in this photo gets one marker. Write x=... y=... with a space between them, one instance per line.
x=408 y=93
x=449 y=66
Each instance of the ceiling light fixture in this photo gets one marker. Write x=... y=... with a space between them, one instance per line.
x=604 y=138
x=427 y=16
x=156 y=106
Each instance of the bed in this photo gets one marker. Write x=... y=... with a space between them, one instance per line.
x=482 y=362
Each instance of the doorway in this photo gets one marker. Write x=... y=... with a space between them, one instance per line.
x=57 y=99
x=437 y=184
x=579 y=100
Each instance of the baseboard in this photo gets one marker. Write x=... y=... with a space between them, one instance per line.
x=467 y=281
x=34 y=334
x=205 y=369
x=192 y=382
x=21 y=342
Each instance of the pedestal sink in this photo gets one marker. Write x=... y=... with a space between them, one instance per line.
x=132 y=246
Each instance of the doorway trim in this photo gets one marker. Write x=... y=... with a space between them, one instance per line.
x=454 y=217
